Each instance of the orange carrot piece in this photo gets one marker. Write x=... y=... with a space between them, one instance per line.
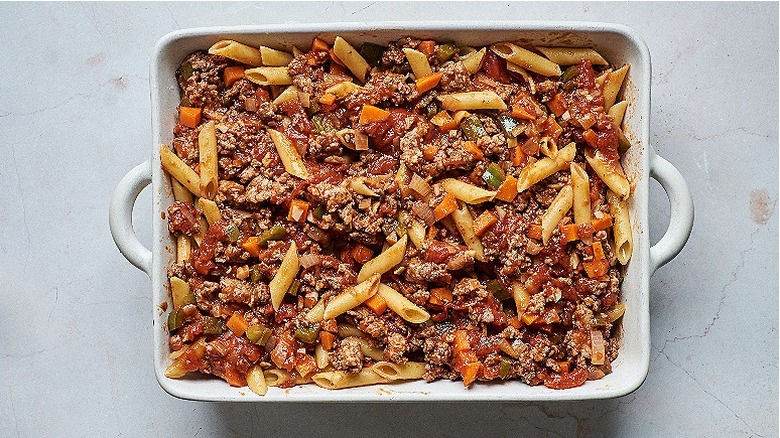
x=598 y=251
x=569 y=232
x=377 y=304
x=189 y=116
x=298 y=210
x=535 y=231
x=232 y=74
x=428 y=82
x=520 y=112
x=601 y=223
x=515 y=322
x=469 y=373
x=507 y=190
x=427 y=47
x=429 y=151
x=319 y=45
x=370 y=114
x=518 y=156
x=361 y=253
x=590 y=137
x=237 y=325
x=327 y=339
x=327 y=99
x=596 y=268
x=557 y=105
x=443 y=295
x=473 y=149
x=528 y=319
x=252 y=246
x=483 y=222
x=445 y=207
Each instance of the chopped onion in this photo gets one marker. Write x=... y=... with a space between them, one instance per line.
x=421 y=210
x=309 y=260
x=597 y=350
x=250 y=104
x=421 y=187
x=304 y=99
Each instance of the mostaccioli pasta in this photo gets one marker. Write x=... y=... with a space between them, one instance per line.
x=357 y=214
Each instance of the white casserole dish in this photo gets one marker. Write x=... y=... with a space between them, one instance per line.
x=618 y=44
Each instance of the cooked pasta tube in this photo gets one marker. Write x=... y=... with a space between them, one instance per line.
x=291 y=159
x=572 y=55
x=237 y=52
x=466 y=192
x=342 y=379
x=612 y=85
x=464 y=222
x=210 y=210
x=400 y=371
x=351 y=58
x=256 y=380
x=183 y=248
x=472 y=100
x=343 y=89
x=315 y=313
x=321 y=357
x=419 y=63
x=526 y=59
x=366 y=348
x=581 y=194
x=351 y=297
x=555 y=212
x=180 y=292
x=179 y=170
x=285 y=276
x=521 y=296
x=180 y=193
x=268 y=75
x=545 y=167
x=289 y=94
x=384 y=261
x=274 y=58
x=402 y=306
x=617 y=112
x=621 y=227
x=611 y=173
x=472 y=62
x=207 y=147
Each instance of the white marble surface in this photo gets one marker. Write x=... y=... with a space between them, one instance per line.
x=75 y=332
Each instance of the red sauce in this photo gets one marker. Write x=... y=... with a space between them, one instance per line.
x=202 y=257
x=385 y=133
x=182 y=218
x=566 y=380
x=495 y=68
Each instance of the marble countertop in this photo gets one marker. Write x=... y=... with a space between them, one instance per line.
x=75 y=332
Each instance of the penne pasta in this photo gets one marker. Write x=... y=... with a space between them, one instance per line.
x=545 y=167
x=351 y=58
x=555 y=212
x=237 y=52
x=343 y=89
x=207 y=149
x=472 y=62
x=548 y=147
x=276 y=377
x=580 y=184
x=526 y=59
x=399 y=371
x=183 y=248
x=180 y=292
x=416 y=233
x=321 y=357
x=621 y=228
x=514 y=68
x=349 y=330
x=180 y=193
x=464 y=222
x=203 y=228
x=572 y=55
x=472 y=100
x=611 y=173
x=285 y=275
x=210 y=210
x=179 y=170
x=268 y=75
x=342 y=379
x=366 y=348
x=289 y=94
x=256 y=380
x=291 y=159
x=612 y=85
x=274 y=58
x=521 y=296
x=617 y=112
x=466 y=192
x=352 y=297
x=402 y=306
x=315 y=313
x=385 y=261
x=419 y=62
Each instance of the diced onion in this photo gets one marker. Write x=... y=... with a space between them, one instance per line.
x=250 y=104
x=309 y=260
x=424 y=212
x=420 y=186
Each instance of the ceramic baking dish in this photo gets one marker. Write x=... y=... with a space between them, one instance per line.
x=617 y=43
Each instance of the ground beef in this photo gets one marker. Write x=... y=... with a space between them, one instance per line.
x=347 y=356
x=201 y=88
x=244 y=292
x=396 y=348
x=183 y=218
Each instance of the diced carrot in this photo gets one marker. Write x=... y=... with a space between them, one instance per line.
x=598 y=251
x=327 y=339
x=319 y=45
x=440 y=294
x=298 y=210
x=445 y=207
x=557 y=105
x=327 y=99
x=483 y=222
x=552 y=128
x=507 y=190
x=469 y=373
x=232 y=74
x=370 y=114
x=377 y=304
x=305 y=364
x=429 y=151
x=361 y=253
x=444 y=121
x=473 y=149
x=461 y=341
x=531 y=146
x=515 y=322
x=528 y=318
x=518 y=156
x=596 y=268
x=590 y=137
x=601 y=223
x=237 y=325
x=569 y=232
x=520 y=112
x=252 y=246
x=535 y=231
x=428 y=82
x=427 y=47
x=189 y=116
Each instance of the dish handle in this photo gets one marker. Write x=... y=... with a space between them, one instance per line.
x=681 y=212
x=120 y=216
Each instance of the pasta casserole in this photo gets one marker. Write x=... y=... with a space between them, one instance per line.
x=352 y=215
